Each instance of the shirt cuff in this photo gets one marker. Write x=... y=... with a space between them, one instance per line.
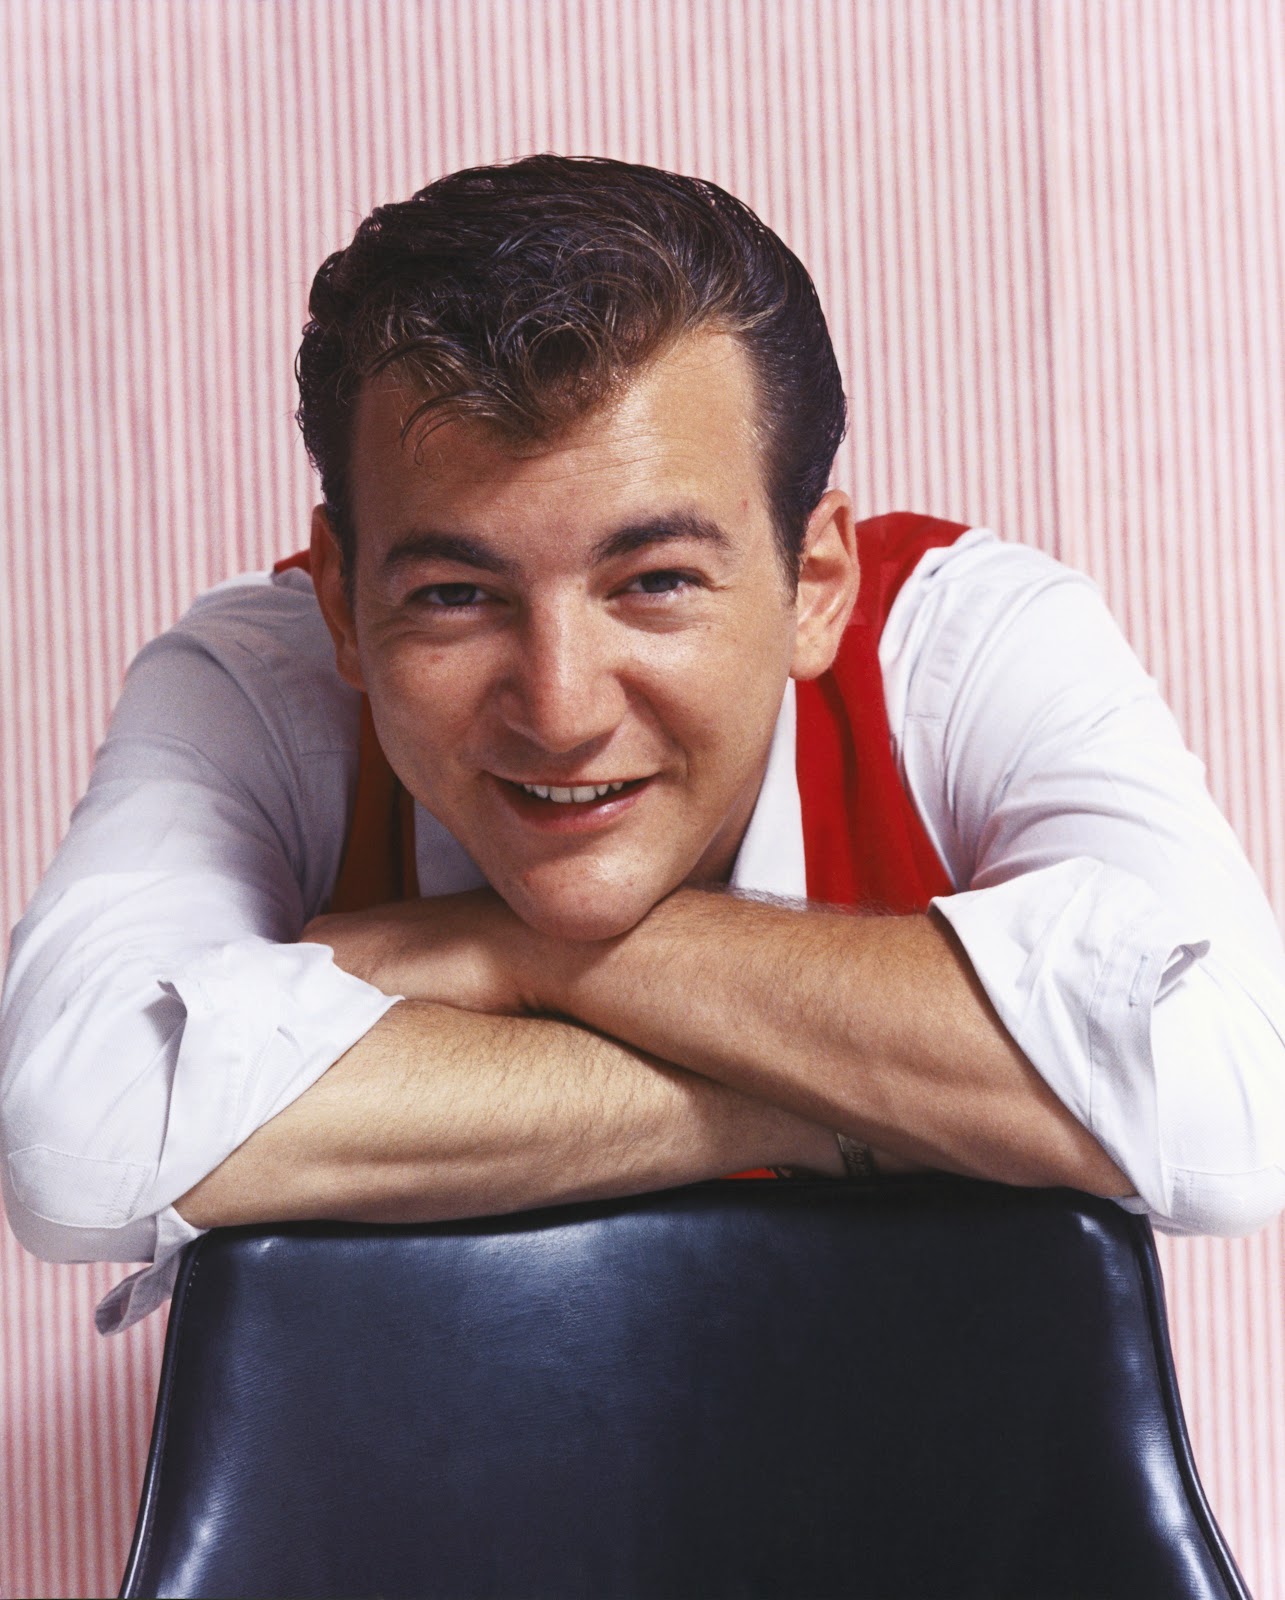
x=1073 y=957
x=142 y=1292
x=262 y=1022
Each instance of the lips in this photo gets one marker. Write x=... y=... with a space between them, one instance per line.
x=572 y=806
x=577 y=794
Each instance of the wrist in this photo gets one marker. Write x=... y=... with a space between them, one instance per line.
x=613 y=982
x=556 y=976
x=537 y=965
x=814 y=1149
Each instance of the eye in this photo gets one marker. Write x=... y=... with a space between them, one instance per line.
x=449 y=596
x=662 y=582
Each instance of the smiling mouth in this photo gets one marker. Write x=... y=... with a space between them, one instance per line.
x=576 y=794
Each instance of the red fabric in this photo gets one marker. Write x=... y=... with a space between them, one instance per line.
x=301 y=559
x=378 y=861
x=863 y=842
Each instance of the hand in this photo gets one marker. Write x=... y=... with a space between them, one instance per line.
x=464 y=950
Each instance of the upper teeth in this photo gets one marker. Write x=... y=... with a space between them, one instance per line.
x=581 y=792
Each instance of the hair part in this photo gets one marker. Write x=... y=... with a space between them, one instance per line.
x=526 y=296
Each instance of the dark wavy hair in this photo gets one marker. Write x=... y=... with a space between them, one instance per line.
x=525 y=295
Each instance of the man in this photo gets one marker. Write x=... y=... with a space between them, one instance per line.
x=579 y=593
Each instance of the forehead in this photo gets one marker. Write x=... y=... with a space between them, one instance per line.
x=682 y=429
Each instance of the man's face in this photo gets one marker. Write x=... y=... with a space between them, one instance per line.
x=605 y=616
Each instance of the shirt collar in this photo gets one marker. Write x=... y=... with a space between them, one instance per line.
x=770 y=860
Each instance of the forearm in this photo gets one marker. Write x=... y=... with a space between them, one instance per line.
x=439 y=1113
x=876 y=1026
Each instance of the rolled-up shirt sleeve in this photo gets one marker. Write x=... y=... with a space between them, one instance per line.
x=1105 y=904
x=156 y=1009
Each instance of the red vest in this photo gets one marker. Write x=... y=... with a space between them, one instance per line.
x=863 y=842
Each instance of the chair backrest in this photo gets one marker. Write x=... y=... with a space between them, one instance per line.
x=921 y=1389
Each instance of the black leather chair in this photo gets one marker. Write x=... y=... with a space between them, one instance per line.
x=928 y=1389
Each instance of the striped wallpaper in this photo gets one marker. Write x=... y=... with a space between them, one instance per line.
x=1049 y=233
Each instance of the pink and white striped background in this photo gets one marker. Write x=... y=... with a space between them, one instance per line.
x=1049 y=233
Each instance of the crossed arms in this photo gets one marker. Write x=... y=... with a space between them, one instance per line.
x=719 y=1033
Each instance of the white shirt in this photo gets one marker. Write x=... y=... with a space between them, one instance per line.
x=156 y=1010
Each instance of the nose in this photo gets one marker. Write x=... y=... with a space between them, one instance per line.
x=563 y=690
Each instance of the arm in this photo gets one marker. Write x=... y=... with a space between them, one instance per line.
x=1106 y=906
x=439 y=1113
x=783 y=1002
x=155 y=1007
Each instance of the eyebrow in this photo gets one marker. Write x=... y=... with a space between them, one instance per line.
x=424 y=544
x=661 y=530
x=427 y=544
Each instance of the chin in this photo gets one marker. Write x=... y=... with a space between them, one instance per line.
x=578 y=921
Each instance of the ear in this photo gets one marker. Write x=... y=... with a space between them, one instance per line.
x=332 y=596
x=829 y=573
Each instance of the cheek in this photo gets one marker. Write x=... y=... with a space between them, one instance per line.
x=425 y=701
x=723 y=706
